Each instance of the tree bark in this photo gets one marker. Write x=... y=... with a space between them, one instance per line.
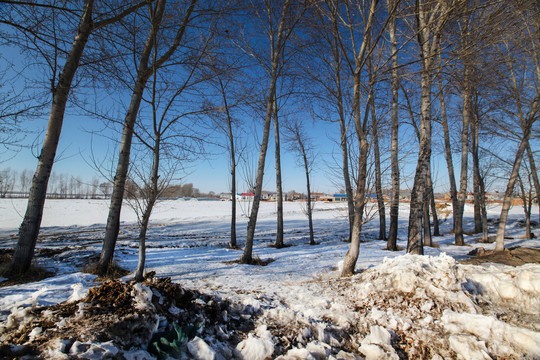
x=336 y=52
x=415 y=242
x=427 y=225
x=29 y=229
x=527 y=206
x=462 y=195
x=152 y=198
x=436 y=230
x=394 y=150
x=279 y=234
x=526 y=122
x=428 y=37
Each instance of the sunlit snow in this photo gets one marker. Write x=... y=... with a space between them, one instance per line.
x=469 y=311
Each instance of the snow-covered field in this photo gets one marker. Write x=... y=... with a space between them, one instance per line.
x=398 y=306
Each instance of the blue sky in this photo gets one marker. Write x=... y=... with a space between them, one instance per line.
x=77 y=146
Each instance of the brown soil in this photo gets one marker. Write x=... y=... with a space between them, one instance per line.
x=514 y=256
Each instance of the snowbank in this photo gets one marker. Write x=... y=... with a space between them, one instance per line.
x=425 y=298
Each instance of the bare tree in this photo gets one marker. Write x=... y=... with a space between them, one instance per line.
x=360 y=56
x=7 y=182
x=299 y=142
x=230 y=97
x=145 y=68
x=278 y=29
x=279 y=188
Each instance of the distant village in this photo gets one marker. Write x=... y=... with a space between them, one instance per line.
x=493 y=197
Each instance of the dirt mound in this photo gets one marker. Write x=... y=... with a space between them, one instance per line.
x=514 y=256
x=116 y=318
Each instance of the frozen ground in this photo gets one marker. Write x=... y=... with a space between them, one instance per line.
x=398 y=306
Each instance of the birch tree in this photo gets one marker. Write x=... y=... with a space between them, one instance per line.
x=527 y=100
x=431 y=17
x=394 y=149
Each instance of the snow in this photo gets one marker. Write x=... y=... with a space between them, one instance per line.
x=396 y=302
x=258 y=346
x=515 y=287
x=510 y=339
x=200 y=350
x=378 y=345
x=46 y=292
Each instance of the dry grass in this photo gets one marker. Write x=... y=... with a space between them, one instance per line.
x=514 y=256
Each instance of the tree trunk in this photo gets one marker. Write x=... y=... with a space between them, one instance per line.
x=279 y=235
x=309 y=207
x=448 y=154
x=275 y=56
x=534 y=172
x=342 y=123
x=232 y=243
x=499 y=240
x=428 y=38
x=480 y=189
x=139 y=273
x=427 y=226
x=232 y=153
x=527 y=206
x=351 y=257
x=345 y=158
x=416 y=215
x=394 y=150
x=151 y=201
x=29 y=229
x=436 y=230
x=378 y=177
x=462 y=195
x=476 y=201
